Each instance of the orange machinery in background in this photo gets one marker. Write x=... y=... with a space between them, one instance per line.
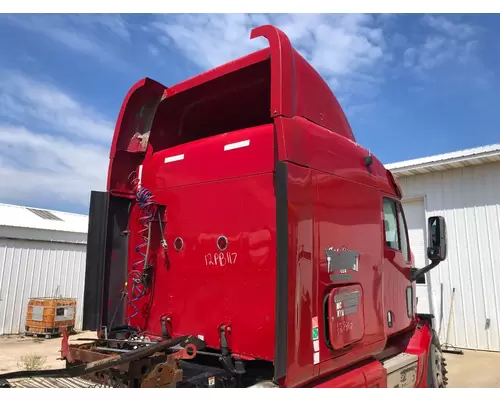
x=49 y=316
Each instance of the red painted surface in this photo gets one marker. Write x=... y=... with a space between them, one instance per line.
x=297 y=89
x=65 y=351
x=201 y=287
x=205 y=160
x=133 y=122
x=278 y=103
x=368 y=375
x=371 y=373
x=302 y=276
x=419 y=345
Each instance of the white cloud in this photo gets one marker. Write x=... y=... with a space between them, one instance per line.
x=49 y=168
x=92 y=34
x=446 y=26
x=209 y=40
x=52 y=148
x=153 y=50
x=447 y=42
x=398 y=41
x=343 y=48
x=113 y=23
x=23 y=99
x=409 y=57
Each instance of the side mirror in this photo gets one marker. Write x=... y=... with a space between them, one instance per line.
x=436 y=252
x=437 y=241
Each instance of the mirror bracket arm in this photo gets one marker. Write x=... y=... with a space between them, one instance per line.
x=417 y=273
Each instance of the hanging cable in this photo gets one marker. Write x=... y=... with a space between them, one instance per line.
x=163 y=242
x=147 y=209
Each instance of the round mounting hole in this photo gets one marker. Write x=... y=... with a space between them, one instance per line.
x=178 y=244
x=222 y=243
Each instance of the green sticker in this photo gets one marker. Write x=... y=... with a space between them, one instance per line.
x=315 y=334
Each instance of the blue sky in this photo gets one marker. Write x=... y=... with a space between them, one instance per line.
x=411 y=85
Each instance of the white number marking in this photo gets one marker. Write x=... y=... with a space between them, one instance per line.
x=220 y=259
x=344 y=326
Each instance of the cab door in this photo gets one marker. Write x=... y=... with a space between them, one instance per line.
x=398 y=291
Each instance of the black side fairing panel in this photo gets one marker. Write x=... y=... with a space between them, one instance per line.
x=106 y=262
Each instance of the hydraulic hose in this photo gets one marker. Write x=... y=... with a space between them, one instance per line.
x=147 y=210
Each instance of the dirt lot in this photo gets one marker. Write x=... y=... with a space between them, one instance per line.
x=14 y=348
x=473 y=369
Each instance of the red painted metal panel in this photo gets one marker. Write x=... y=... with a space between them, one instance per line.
x=131 y=133
x=201 y=287
x=348 y=215
x=283 y=90
x=305 y=143
x=302 y=276
x=375 y=374
x=296 y=87
x=213 y=158
x=350 y=379
x=367 y=375
x=419 y=345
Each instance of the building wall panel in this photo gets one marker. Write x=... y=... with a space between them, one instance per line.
x=469 y=200
x=38 y=269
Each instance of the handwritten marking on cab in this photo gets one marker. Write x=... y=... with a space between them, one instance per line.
x=220 y=259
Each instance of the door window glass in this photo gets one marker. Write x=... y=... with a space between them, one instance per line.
x=391 y=225
x=403 y=234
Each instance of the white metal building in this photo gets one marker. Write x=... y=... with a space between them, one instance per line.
x=464 y=187
x=42 y=254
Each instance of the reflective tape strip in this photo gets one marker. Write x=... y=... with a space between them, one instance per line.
x=237 y=145
x=174 y=158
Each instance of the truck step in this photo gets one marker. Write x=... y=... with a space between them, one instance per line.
x=401 y=370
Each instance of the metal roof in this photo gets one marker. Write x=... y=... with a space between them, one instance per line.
x=37 y=218
x=442 y=162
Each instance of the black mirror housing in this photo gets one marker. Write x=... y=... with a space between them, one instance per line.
x=437 y=239
x=437 y=246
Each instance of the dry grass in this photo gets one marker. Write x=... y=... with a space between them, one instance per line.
x=32 y=362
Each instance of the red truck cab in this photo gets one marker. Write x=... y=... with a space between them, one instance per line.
x=240 y=209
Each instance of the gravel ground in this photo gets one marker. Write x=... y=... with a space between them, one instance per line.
x=14 y=348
